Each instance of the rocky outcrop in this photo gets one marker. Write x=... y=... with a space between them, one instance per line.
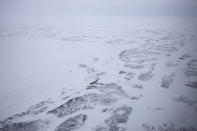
x=72 y=123
x=25 y=126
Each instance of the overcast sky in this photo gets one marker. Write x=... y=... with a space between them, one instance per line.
x=51 y=8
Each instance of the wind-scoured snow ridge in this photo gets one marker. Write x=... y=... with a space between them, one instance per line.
x=192 y=68
x=107 y=97
x=99 y=78
x=72 y=123
x=25 y=126
x=119 y=116
x=167 y=127
x=82 y=102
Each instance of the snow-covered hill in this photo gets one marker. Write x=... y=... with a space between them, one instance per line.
x=116 y=76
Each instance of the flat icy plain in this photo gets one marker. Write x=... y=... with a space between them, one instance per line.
x=133 y=75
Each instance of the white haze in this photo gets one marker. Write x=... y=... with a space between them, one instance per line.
x=43 y=43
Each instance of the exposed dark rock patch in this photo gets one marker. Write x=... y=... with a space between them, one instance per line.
x=132 y=66
x=65 y=97
x=69 y=107
x=25 y=126
x=94 y=82
x=82 y=65
x=105 y=110
x=145 y=76
x=101 y=73
x=138 y=56
x=72 y=123
x=157 y=44
x=192 y=84
x=191 y=73
x=167 y=127
x=82 y=102
x=167 y=48
x=119 y=41
x=192 y=64
x=167 y=80
x=91 y=70
x=129 y=76
x=39 y=108
x=185 y=56
x=9 y=119
x=135 y=97
x=33 y=110
x=101 y=128
x=122 y=72
x=138 y=86
x=185 y=100
x=191 y=70
x=118 y=116
x=109 y=88
x=72 y=38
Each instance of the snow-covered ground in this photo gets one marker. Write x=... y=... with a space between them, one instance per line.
x=137 y=74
